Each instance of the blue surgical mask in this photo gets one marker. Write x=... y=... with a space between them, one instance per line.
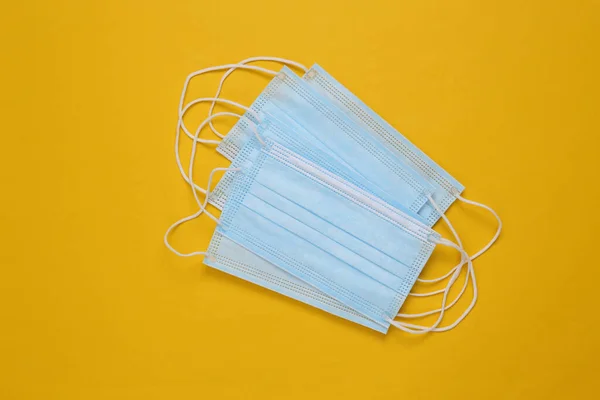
x=238 y=260
x=228 y=256
x=340 y=138
x=270 y=128
x=445 y=186
x=331 y=235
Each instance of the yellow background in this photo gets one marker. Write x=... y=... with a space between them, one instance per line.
x=503 y=94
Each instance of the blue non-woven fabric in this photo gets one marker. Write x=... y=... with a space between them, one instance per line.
x=329 y=129
x=445 y=185
x=311 y=224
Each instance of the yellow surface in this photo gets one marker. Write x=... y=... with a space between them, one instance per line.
x=504 y=96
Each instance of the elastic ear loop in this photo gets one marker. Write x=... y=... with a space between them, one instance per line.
x=248 y=60
x=447 y=221
x=182 y=110
x=412 y=328
x=193 y=157
x=415 y=329
x=458 y=241
x=471 y=271
x=488 y=208
x=181 y=125
x=202 y=125
x=190 y=179
x=196 y=215
x=422 y=329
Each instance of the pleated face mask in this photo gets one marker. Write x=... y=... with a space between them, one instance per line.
x=331 y=235
x=230 y=257
x=446 y=187
x=282 y=133
x=227 y=255
x=368 y=255
x=440 y=187
x=342 y=139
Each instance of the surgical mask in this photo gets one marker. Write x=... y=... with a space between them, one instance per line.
x=283 y=134
x=230 y=257
x=342 y=139
x=446 y=188
x=296 y=215
x=231 y=68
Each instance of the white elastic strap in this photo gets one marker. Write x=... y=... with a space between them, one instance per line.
x=191 y=172
x=459 y=319
x=419 y=329
x=181 y=125
x=476 y=204
x=217 y=68
x=202 y=125
x=243 y=62
x=440 y=291
x=195 y=136
x=209 y=120
x=455 y=234
x=447 y=221
x=196 y=215
x=471 y=274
